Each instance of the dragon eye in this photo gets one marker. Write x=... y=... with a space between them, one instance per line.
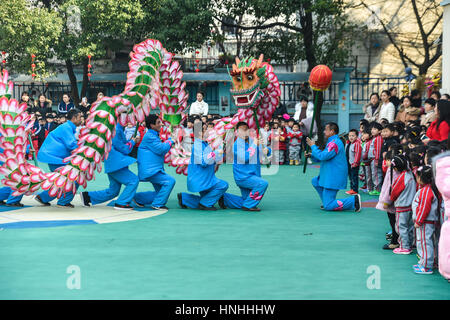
x=238 y=78
x=250 y=77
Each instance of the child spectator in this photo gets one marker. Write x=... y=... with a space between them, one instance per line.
x=426 y=213
x=402 y=194
x=385 y=203
x=363 y=124
x=387 y=133
x=265 y=133
x=353 y=152
x=278 y=136
x=375 y=157
x=188 y=139
x=367 y=140
x=295 y=139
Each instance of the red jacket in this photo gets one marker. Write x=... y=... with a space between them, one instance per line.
x=440 y=133
x=281 y=141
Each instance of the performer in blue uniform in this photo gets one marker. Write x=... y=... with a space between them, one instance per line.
x=58 y=145
x=150 y=159
x=201 y=175
x=333 y=172
x=247 y=171
x=116 y=166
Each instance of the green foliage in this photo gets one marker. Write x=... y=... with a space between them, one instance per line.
x=318 y=25
x=181 y=25
x=26 y=30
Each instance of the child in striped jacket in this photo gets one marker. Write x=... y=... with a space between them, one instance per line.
x=402 y=194
x=426 y=211
x=376 y=158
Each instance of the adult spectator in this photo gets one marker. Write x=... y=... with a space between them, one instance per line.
x=416 y=98
x=280 y=110
x=199 y=107
x=303 y=109
x=25 y=98
x=84 y=105
x=445 y=96
x=393 y=98
x=372 y=109
x=440 y=128
x=43 y=106
x=387 y=109
x=436 y=95
x=100 y=96
x=65 y=105
x=412 y=113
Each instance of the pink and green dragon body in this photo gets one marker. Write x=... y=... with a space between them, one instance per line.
x=154 y=81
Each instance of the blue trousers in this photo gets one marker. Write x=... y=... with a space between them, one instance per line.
x=354 y=178
x=328 y=197
x=252 y=191
x=116 y=179
x=163 y=184
x=207 y=197
x=6 y=194
x=65 y=199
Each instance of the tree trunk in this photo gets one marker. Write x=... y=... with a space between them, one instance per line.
x=308 y=38
x=73 y=82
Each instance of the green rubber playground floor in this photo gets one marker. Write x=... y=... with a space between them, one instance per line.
x=289 y=250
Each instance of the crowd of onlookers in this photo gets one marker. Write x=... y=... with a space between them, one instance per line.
x=392 y=153
x=47 y=119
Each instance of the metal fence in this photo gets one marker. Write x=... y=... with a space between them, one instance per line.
x=360 y=90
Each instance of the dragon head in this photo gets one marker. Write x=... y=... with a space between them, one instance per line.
x=248 y=79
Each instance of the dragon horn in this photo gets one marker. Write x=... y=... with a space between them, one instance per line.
x=260 y=60
x=237 y=62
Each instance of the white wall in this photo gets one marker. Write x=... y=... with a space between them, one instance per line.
x=446 y=48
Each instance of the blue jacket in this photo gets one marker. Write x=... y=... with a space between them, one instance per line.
x=151 y=154
x=246 y=160
x=63 y=108
x=118 y=157
x=333 y=166
x=58 y=144
x=201 y=174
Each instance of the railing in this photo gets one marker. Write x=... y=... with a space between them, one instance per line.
x=52 y=91
x=204 y=64
x=360 y=90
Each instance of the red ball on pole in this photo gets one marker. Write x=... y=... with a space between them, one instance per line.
x=320 y=77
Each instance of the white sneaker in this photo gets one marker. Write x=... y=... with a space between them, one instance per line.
x=309 y=161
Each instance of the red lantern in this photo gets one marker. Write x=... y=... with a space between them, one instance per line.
x=320 y=78
x=226 y=62
x=268 y=60
x=197 y=70
x=4 y=61
x=3 y=52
